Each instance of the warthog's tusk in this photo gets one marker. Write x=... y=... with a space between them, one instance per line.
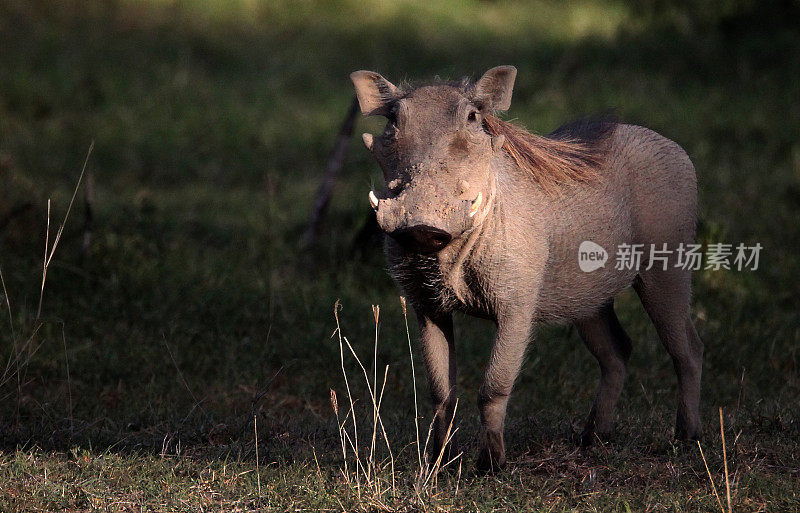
x=476 y=205
x=367 y=138
x=373 y=200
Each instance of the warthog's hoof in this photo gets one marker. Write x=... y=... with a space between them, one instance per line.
x=686 y=434
x=587 y=438
x=492 y=456
x=591 y=436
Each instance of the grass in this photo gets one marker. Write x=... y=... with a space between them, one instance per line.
x=193 y=318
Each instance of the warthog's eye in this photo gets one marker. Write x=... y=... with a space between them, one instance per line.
x=391 y=131
x=391 y=116
x=472 y=117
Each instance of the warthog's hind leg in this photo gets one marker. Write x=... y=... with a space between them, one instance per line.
x=608 y=342
x=665 y=295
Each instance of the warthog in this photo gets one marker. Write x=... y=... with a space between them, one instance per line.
x=486 y=218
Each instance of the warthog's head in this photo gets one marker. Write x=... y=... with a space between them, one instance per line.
x=435 y=155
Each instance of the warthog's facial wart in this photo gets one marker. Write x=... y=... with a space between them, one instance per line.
x=435 y=154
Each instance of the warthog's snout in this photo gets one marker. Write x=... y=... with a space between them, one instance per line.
x=422 y=238
x=423 y=224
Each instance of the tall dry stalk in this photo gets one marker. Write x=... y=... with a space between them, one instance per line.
x=258 y=469
x=376 y=415
x=413 y=381
x=366 y=469
x=713 y=485
x=342 y=431
x=50 y=251
x=376 y=312
x=428 y=477
x=725 y=465
x=22 y=351
x=725 y=462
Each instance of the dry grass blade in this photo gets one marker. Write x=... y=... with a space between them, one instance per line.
x=725 y=462
x=17 y=361
x=711 y=479
x=183 y=380
x=432 y=472
x=50 y=251
x=377 y=473
x=45 y=261
x=13 y=355
x=21 y=354
x=413 y=382
x=335 y=406
x=376 y=410
x=383 y=429
x=338 y=332
x=376 y=313
x=258 y=469
x=8 y=305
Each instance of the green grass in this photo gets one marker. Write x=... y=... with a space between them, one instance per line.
x=195 y=309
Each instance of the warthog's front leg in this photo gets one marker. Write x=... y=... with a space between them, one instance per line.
x=504 y=364
x=440 y=361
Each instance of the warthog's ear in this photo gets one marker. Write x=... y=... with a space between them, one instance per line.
x=493 y=90
x=374 y=92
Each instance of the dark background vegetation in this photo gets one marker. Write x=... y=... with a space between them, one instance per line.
x=194 y=308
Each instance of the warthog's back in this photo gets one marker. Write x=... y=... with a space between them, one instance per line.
x=647 y=195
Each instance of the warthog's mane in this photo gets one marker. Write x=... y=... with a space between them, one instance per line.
x=574 y=153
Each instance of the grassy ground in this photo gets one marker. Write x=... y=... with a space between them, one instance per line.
x=194 y=321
